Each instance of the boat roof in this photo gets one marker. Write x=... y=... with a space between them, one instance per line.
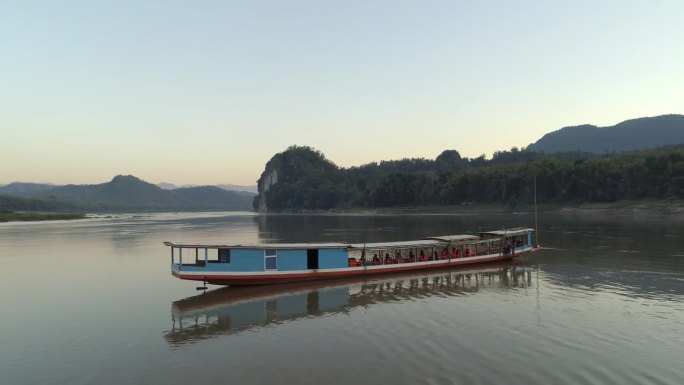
x=391 y=245
x=426 y=242
x=509 y=232
x=455 y=238
x=329 y=245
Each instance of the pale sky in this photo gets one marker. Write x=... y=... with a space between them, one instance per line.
x=205 y=92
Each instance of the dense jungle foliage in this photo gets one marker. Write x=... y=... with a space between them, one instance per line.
x=307 y=180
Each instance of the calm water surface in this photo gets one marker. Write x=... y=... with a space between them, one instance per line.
x=93 y=302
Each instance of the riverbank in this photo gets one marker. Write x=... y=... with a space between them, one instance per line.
x=624 y=207
x=669 y=207
x=639 y=206
x=9 y=216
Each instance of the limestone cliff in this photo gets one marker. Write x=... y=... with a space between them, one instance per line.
x=298 y=175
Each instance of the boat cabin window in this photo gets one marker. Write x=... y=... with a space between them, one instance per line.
x=224 y=255
x=270 y=259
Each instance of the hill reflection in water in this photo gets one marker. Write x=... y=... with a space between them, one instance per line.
x=232 y=310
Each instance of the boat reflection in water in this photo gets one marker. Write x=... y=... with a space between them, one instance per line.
x=230 y=310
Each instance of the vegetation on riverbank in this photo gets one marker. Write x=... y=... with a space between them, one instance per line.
x=653 y=206
x=10 y=216
x=622 y=207
x=303 y=179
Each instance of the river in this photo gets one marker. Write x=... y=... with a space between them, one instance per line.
x=92 y=302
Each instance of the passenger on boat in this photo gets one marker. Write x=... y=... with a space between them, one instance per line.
x=376 y=260
x=454 y=252
x=468 y=253
x=411 y=257
x=397 y=257
x=388 y=260
x=422 y=257
x=444 y=253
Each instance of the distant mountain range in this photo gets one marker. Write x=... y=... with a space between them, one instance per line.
x=18 y=188
x=25 y=187
x=229 y=187
x=635 y=134
x=123 y=193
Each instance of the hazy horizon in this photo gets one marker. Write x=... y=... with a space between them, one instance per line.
x=206 y=93
x=177 y=185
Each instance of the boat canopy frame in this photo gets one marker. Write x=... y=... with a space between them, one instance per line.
x=437 y=241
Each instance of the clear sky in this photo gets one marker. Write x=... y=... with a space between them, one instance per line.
x=205 y=92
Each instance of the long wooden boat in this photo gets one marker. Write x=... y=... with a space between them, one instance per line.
x=284 y=263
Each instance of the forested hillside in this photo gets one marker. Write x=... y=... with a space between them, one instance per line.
x=302 y=178
x=13 y=203
x=634 y=134
x=21 y=188
x=125 y=193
